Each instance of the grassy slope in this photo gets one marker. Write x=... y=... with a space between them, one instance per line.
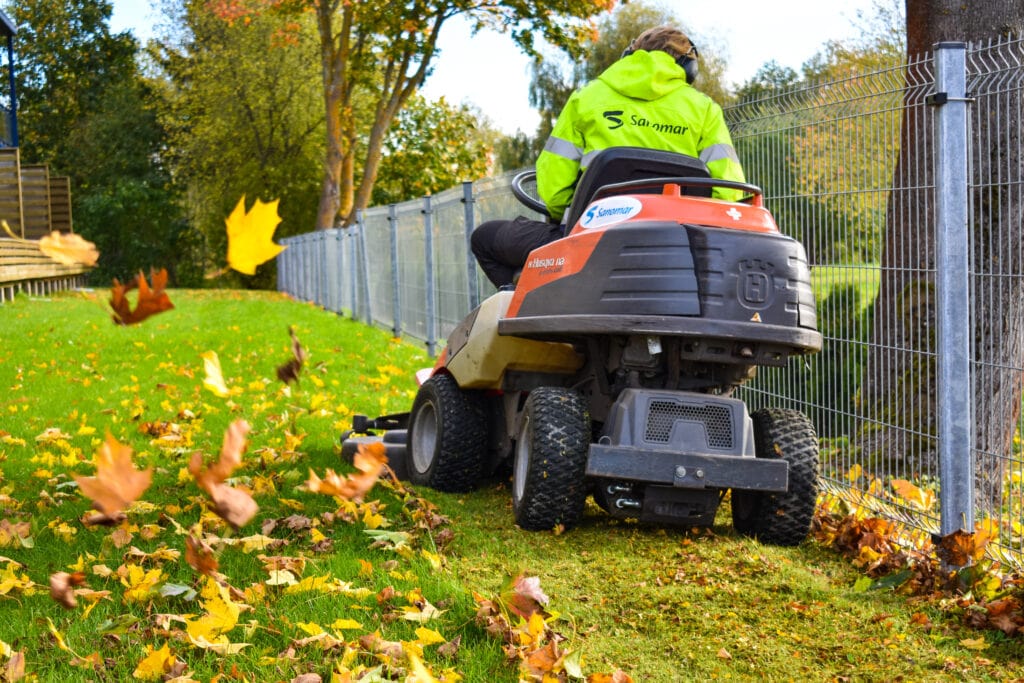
x=661 y=604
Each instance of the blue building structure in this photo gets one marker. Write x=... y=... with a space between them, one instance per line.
x=9 y=100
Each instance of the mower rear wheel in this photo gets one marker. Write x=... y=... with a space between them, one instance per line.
x=447 y=441
x=781 y=518
x=548 y=487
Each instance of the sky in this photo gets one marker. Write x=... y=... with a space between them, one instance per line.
x=489 y=71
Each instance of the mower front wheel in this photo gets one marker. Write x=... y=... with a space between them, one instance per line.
x=447 y=441
x=548 y=487
x=781 y=518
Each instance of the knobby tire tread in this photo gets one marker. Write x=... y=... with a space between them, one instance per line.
x=782 y=518
x=461 y=437
x=555 y=490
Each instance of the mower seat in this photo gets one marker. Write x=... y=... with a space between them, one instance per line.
x=621 y=164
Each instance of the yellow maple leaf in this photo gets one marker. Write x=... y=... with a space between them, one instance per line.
x=221 y=616
x=141 y=584
x=155 y=664
x=214 y=379
x=250 y=235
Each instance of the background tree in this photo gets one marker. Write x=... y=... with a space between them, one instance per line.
x=387 y=49
x=431 y=146
x=240 y=104
x=907 y=290
x=86 y=112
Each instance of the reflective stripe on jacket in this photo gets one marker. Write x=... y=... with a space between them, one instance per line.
x=642 y=100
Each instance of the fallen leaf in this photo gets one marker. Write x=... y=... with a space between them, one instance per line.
x=976 y=644
x=250 y=235
x=961 y=547
x=117 y=483
x=155 y=664
x=150 y=300
x=69 y=249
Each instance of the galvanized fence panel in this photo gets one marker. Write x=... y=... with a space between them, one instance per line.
x=864 y=171
x=995 y=81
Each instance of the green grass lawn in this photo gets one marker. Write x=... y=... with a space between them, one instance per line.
x=659 y=604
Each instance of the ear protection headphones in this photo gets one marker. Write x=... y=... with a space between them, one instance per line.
x=688 y=61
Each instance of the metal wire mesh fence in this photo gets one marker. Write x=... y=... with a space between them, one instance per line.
x=905 y=186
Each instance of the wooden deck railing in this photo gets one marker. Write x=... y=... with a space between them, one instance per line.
x=24 y=268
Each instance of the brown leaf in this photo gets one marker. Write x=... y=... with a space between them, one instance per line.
x=233 y=505
x=960 y=548
x=542 y=661
x=450 y=650
x=200 y=556
x=150 y=300
x=616 y=677
x=14 y=669
x=523 y=596
x=62 y=587
x=289 y=372
x=370 y=459
x=117 y=483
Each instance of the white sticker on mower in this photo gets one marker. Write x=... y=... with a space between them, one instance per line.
x=610 y=210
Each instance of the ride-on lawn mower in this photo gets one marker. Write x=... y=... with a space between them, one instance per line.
x=609 y=369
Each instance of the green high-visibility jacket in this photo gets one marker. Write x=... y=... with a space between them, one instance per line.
x=642 y=100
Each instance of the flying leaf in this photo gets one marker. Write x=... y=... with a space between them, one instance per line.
x=250 y=235
x=62 y=587
x=214 y=379
x=289 y=372
x=200 y=556
x=117 y=483
x=235 y=506
x=523 y=596
x=370 y=459
x=69 y=249
x=150 y=301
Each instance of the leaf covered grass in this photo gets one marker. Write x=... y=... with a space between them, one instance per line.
x=660 y=604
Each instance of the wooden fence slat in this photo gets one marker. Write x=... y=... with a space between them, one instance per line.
x=60 y=204
x=10 y=189
x=35 y=200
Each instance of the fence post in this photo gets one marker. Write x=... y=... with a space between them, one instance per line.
x=396 y=297
x=353 y=280
x=364 y=266
x=467 y=201
x=428 y=260
x=952 y=284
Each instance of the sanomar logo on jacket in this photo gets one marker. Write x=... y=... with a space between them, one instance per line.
x=614 y=118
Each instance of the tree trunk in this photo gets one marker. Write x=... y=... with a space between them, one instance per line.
x=900 y=423
x=331 y=191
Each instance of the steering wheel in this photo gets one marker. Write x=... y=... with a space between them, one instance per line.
x=528 y=199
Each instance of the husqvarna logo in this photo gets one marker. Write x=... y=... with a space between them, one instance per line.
x=613 y=117
x=609 y=211
x=756 y=285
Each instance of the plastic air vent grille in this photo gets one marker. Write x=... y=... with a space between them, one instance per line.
x=663 y=415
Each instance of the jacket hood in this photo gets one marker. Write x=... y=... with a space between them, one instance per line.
x=645 y=75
